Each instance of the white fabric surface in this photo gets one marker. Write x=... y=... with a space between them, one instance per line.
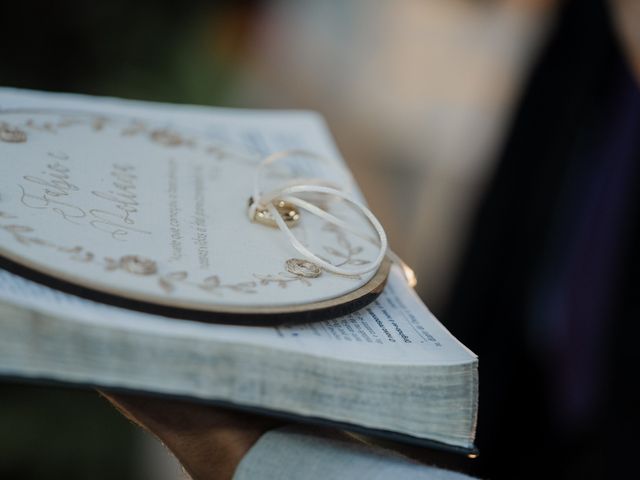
x=299 y=453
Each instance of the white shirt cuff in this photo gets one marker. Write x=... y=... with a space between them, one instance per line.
x=301 y=453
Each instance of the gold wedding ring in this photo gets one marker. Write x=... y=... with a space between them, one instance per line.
x=303 y=268
x=289 y=213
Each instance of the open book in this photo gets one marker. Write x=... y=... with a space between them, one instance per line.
x=389 y=369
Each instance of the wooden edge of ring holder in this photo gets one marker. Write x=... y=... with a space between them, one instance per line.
x=264 y=316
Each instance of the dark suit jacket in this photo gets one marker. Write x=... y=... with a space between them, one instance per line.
x=548 y=294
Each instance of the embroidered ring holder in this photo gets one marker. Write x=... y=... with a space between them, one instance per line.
x=135 y=214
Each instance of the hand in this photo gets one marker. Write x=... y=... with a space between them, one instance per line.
x=209 y=442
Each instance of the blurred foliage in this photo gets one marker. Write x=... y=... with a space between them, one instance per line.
x=156 y=50
x=59 y=433
x=162 y=50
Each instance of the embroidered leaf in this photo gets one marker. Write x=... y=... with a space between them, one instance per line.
x=342 y=240
x=357 y=261
x=166 y=285
x=216 y=152
x=65 y=122
x=86 y=257
x=334 y=252
x=18 y=229
x=76 y=249
x=177 y=276
x=131 y=130
x=98 y=123
x=110 y=264
x=245 y=287
x=166 y=137
x=211 y=282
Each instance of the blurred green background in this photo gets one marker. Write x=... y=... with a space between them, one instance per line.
x=66 y=434
x=144 y=49
x=154 y=50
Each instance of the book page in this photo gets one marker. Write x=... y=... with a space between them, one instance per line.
x=396 y=329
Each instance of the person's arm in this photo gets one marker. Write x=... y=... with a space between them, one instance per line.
x=209 y=442
x=215 y=443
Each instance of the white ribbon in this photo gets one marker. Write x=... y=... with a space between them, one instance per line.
x=292 y=192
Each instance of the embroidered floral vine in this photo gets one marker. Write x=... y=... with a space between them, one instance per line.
x=343 y=252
